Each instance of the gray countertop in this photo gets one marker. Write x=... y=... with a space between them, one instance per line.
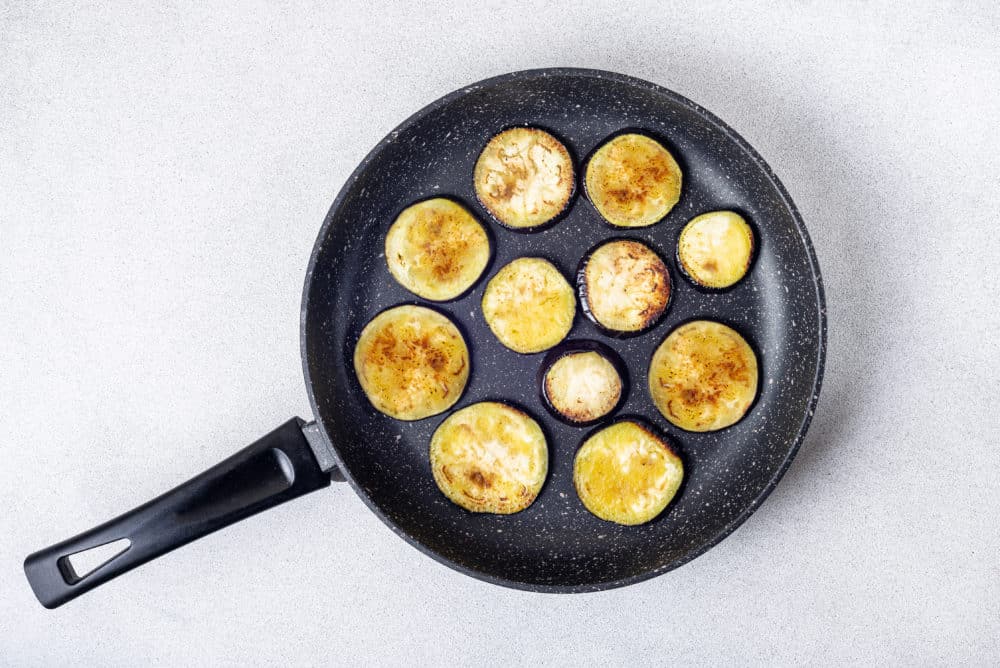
x=163 y=173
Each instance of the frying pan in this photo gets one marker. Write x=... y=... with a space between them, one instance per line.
x=555 y=545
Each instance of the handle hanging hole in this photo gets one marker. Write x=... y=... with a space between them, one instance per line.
x=76 y=566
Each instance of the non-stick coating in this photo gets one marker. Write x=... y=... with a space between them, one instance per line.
x=556 y=545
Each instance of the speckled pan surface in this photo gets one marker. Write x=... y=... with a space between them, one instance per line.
x=556 y=545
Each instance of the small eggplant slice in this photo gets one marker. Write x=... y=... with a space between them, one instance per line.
x=582 y=382
x=626 y=474
x=489 y=458
x=436 y=249
x=703 y=377
x=624 y=286
x=715 y=249
x=633 y=181
x=524 y=177
x=412 y=362
x=529 y=305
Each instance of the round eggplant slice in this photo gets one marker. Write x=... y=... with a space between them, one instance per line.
x=715 y=249
x=524 y=177
x=626 y=474
x=633 y=181
x=489 y=458
x=529 y=305
x=624 y=286
x=582 y=381
x=436 y=249
x=703 y=377
x=412 y=362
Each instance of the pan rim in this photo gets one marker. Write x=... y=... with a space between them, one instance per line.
x=821 y=339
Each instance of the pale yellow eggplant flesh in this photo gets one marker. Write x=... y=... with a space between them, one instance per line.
x=524 y=177
x=633 y=181
x=627 y=474
x=528 y=305
x=412 y=362
x=624 y=287
x=489 y=458
x=703 y=376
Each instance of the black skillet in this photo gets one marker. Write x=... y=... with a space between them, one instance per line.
x=555 y=545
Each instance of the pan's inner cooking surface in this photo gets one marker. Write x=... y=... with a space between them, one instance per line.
x=556 y=541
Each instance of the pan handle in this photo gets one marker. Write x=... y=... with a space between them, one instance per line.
x=274 y=469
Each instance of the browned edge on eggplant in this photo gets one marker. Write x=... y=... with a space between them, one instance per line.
x=570 y=197
x=583 y=291
x=581 y=346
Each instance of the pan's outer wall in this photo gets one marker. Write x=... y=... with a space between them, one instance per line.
x=556 y=545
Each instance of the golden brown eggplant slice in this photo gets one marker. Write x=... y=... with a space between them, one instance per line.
x=715 y=249
x=529 y=305
x=582 y=381
x=412 y=362
x=703 y=377
x=524 y=177
x=489 y=458
x=626 y=474
x=624 y=286
x=633 y=180
x=436 y=249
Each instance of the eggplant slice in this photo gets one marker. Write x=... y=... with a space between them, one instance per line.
x=489 y=458
x=624 y=286
x=529 y=306
x=436 y=249
x=626 y=474
x=715 y=249
x=412 y=362
x=524 y=177
x=633 y=181
x=703 y=377
x=583 y=382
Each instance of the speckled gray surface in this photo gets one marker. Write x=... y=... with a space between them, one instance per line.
x=163 y=176
x=556 y=544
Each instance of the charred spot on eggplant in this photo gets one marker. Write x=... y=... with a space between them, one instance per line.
x=436 y=249
x=703 y=377
x=524 y=177
x=633 y=180
x=412 y=362
x=715 y=249
x=582 y=381
x=489 y=458
x=624 y=286
x=528 y=305
x=626 y=474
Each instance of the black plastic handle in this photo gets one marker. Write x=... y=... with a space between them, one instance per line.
x=275 y=469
